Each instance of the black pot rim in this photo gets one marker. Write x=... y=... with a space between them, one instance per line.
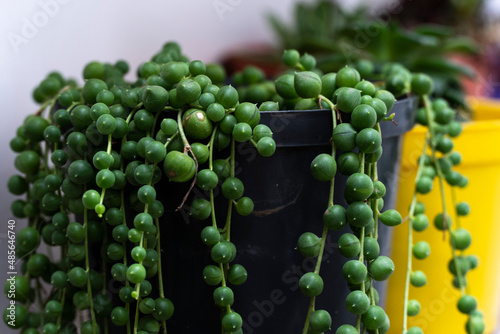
x=313 y=127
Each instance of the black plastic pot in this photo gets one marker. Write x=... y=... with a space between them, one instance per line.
x=288 y=202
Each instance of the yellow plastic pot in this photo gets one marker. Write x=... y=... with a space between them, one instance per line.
x=478 y=145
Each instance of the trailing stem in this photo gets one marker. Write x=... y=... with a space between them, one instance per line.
x=87 y=270
x=410 y=243
x=324 y=233
x=160 y=273
x=440 y=175
x=211 y=167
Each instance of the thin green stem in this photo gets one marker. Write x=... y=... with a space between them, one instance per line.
x=324 y=233
x=227 y=226
x=211 y=149
x=46 y=157
x=143 y=241
x=171 y=139
x=51 y=111
x=87 y=269
x=310 y=310
x=362 y=245
x=108 y=150
x=181 y=130
x=410 y=242
x=440 y=176
x=362 y=249
x=332 y=107
x=233 y=157
x=136 y=319
x=374 y=176
x=129 y=117
x=158 y=250
x=430 y=119
x=110 y=141
x=74 y=104
x=300 y=67
x=358 y=324
x=137 y=297
x=321 y=250
x=211 y=166
x=408 y=268
x=103 y=193
x=155 y=121
x=374 y=201
x=63 y=299
x=362 y=163
x=223 y=283
x=332 y=183
x=39 y=297
x=372 y=295
x=161 y=290
x=432 y=140
x=446 y=226
x=46 y=104
x=124 y=222
x=104 y=280
x=212 y=208
x=454 y=201
x=138 y=285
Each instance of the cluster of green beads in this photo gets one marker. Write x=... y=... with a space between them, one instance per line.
x=95 y=157
x=360 y=140
x=238 y=123
x=89 y=168
x=437 y=162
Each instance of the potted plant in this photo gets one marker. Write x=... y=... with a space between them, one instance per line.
x=144 y=188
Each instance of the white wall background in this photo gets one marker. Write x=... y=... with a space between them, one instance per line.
x=39 y=36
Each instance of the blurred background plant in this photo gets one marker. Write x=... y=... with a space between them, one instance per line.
x=464 y=15
x=424 y=36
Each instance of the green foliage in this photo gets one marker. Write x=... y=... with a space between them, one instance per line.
x=336 y=37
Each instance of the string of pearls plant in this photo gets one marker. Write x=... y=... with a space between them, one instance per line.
x=91 y=160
